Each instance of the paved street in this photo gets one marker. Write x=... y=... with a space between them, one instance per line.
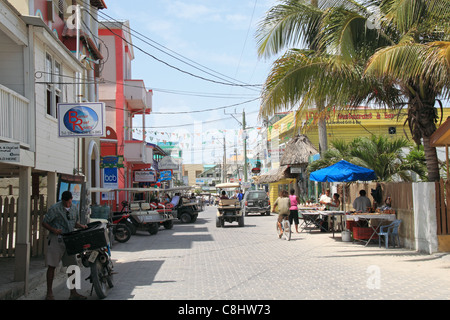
x=201 y=262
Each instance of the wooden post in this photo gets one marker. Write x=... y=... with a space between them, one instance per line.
x=22 y=258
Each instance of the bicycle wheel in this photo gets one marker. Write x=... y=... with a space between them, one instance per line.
x=287 y=230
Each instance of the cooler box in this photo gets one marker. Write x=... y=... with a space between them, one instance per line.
x=361 y=233
x=94 y=237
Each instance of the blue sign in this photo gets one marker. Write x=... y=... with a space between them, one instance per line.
x=81 y=119
x=165 y=175
x=110 y=178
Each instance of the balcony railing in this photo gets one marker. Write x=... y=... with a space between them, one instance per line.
x=136 y=152
x=14 y=117
x=137 y=96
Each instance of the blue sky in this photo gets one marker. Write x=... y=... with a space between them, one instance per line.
x=214 y=34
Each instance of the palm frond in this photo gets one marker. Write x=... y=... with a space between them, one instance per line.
x=286 y=25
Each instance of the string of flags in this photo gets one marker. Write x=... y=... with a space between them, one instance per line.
x=210 y=137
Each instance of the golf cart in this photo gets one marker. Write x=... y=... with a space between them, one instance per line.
x=184 y=208
x=228 y=210
x=146 y=214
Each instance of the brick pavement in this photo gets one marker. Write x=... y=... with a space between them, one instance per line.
x=200 y=262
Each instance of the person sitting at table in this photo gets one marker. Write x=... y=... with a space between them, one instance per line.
x=335 y=202
x=334 y=205
x=325 y=199
x=362 y=203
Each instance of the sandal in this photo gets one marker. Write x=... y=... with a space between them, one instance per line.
x=77 y=296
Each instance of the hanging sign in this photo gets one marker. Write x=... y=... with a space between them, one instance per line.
x=81 y=119
x=144 y=176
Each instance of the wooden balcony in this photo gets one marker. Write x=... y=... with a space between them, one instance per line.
x=137 y=96
x=15 y=119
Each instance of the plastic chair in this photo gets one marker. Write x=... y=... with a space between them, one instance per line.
x=388 y=231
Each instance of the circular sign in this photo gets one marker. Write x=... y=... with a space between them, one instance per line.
x=80 y=119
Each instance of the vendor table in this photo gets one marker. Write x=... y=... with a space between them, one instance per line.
x=368 y=216
x=332 y=215
x=312 y=216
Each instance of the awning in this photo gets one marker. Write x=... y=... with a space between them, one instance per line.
x=274 y=175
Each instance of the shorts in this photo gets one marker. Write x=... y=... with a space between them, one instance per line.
x=281 y=216
x=56 y=252
x=293 y=216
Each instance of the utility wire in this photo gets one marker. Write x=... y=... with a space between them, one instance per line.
x=170 y=65
x=172 y=51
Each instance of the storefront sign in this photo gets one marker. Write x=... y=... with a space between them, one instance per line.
x=111 y=162
x=168 y=163
x=144 y=176
x=110 y=181
x=81 y=119
x=10 y=152
x=165 y=175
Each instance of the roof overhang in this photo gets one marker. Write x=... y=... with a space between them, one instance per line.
x=441 y=137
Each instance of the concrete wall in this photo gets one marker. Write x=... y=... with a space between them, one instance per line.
x=425 y=225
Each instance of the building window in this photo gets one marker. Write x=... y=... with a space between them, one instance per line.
x=54 y=92
x=58 y=86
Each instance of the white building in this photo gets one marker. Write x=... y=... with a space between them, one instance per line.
x=38 y=71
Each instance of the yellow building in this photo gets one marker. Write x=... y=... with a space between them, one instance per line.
x=341 y=124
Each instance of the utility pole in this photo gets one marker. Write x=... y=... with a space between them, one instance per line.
x=245 y=141
x=224 y=172
x=245 y=146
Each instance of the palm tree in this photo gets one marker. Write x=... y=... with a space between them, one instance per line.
x=389 y=164
x=418 y=61
x=319 y=75
x=289 y=23
x=407 y=55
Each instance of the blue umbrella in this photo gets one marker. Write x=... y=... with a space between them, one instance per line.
x=343 y=171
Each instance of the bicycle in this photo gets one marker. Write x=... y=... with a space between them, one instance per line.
x=285 y=228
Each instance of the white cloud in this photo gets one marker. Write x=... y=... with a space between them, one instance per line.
x=191 y=11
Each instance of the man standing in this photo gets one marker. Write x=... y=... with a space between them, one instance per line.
x=62 y=217
x=240 y=195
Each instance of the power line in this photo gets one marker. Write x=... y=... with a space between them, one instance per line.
x=178 y=54
x=170 y=65
x=206 y=110
x=38 y=75
x=191 y=124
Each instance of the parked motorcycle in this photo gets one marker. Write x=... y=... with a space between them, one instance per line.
x=123 y=217
x=121 y=228
x=92 y=247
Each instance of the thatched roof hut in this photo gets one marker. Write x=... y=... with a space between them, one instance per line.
x=297 y=151
x=274 y=175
